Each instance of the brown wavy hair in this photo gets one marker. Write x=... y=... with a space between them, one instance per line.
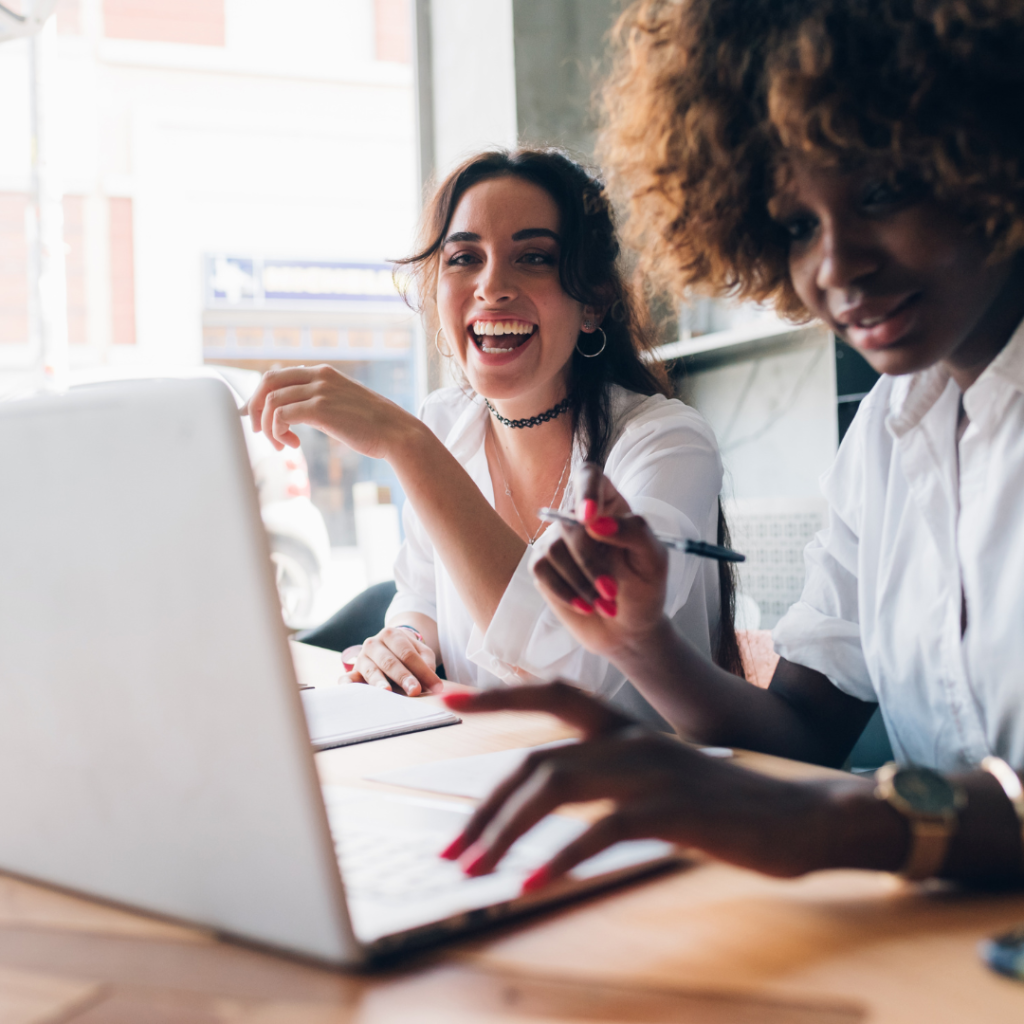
x=707 y=96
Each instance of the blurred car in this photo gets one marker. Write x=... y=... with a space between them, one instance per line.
x=299 y=545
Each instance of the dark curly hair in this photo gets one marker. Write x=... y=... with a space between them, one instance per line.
x=706 y=97
x=588 y=268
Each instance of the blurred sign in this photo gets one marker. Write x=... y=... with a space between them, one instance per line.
x=236 y=282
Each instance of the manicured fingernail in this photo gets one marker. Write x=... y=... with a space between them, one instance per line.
x=458 y=701
x=471 y=860
x=454 y=849
x=537 y=879
x=581 y=606
x=610 y=608
x=607 y=587
x=588 y=509
x=604 y=526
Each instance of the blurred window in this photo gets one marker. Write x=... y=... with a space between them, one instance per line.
x=122 y=272
x=74 y=269
x=69 y=17
x=13 y=269
x=392 y=31
x=199 y=22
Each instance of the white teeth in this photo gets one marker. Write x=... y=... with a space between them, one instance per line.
x=500 y=327
x=872 y=322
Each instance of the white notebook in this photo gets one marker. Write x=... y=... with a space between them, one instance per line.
x=353 y=712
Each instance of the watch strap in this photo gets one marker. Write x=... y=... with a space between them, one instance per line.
x=929 y=844
x=930 y=834
x=1011 y=785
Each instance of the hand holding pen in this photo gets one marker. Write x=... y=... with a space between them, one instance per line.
x=605 y=575
x=692 y=547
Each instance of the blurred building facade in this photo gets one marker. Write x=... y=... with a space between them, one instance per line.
x=235 y=175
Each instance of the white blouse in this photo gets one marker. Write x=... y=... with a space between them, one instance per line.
x=918 y=523
x=662 y=458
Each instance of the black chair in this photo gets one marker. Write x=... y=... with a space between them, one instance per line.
x=873 y=749
x=363 y=616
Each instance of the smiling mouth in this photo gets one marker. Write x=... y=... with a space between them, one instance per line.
x=866 y=323
x=497 y=336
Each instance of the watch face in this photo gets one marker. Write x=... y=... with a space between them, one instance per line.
x=926 y=791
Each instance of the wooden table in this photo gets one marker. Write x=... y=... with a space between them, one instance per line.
x=709 y=943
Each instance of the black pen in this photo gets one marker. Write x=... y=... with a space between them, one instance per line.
x=692 y=547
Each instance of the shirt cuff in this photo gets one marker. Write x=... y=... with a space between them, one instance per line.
x=827 y=645
x=405 y=602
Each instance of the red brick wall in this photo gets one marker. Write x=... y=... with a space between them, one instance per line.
x=122 y=272
x=393 y=30
x=200 y=22
x=13 y=269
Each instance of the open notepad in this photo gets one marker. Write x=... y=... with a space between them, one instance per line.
x=352 y=713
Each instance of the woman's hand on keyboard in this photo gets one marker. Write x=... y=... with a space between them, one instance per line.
x=660 y=788
x=604 y=578
x=397 y=659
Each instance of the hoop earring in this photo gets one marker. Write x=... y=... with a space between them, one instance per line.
x=443 y=355
x=593 y=355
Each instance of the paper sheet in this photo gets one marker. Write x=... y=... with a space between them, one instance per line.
x=352 y=712
x=476 y=776
x=472 y=776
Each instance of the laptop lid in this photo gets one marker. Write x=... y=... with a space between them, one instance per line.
x=153 y=749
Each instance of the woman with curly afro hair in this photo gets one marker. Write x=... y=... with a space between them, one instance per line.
x=860 y=162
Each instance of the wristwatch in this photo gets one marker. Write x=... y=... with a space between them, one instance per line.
x=931 y=804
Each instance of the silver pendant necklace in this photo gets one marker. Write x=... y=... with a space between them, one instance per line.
x=508 y=492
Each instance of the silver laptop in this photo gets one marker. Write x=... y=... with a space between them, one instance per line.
x=153 y=748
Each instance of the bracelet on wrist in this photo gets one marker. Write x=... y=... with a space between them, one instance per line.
x=412 y=629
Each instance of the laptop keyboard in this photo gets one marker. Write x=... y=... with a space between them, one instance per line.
x=389 y=848
x=392 y=868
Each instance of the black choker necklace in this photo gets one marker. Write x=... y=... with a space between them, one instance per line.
x=553 y=413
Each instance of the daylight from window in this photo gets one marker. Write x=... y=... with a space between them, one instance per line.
x=207 y=186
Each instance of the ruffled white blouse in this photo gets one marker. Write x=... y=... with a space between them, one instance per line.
x=663 y=459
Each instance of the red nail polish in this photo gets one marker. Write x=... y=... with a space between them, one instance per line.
x=537 y=879
x=610 y=608
x=458 y=701
x=604 y=526
x=588 y=509
x=472 y=859
x=607 y=587
x=581 y=606
x=454 y=849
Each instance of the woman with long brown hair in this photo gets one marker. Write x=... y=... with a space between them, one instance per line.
x=518 y=276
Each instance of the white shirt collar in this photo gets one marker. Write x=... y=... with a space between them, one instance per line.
x=1009 y=364
x=914 y=395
